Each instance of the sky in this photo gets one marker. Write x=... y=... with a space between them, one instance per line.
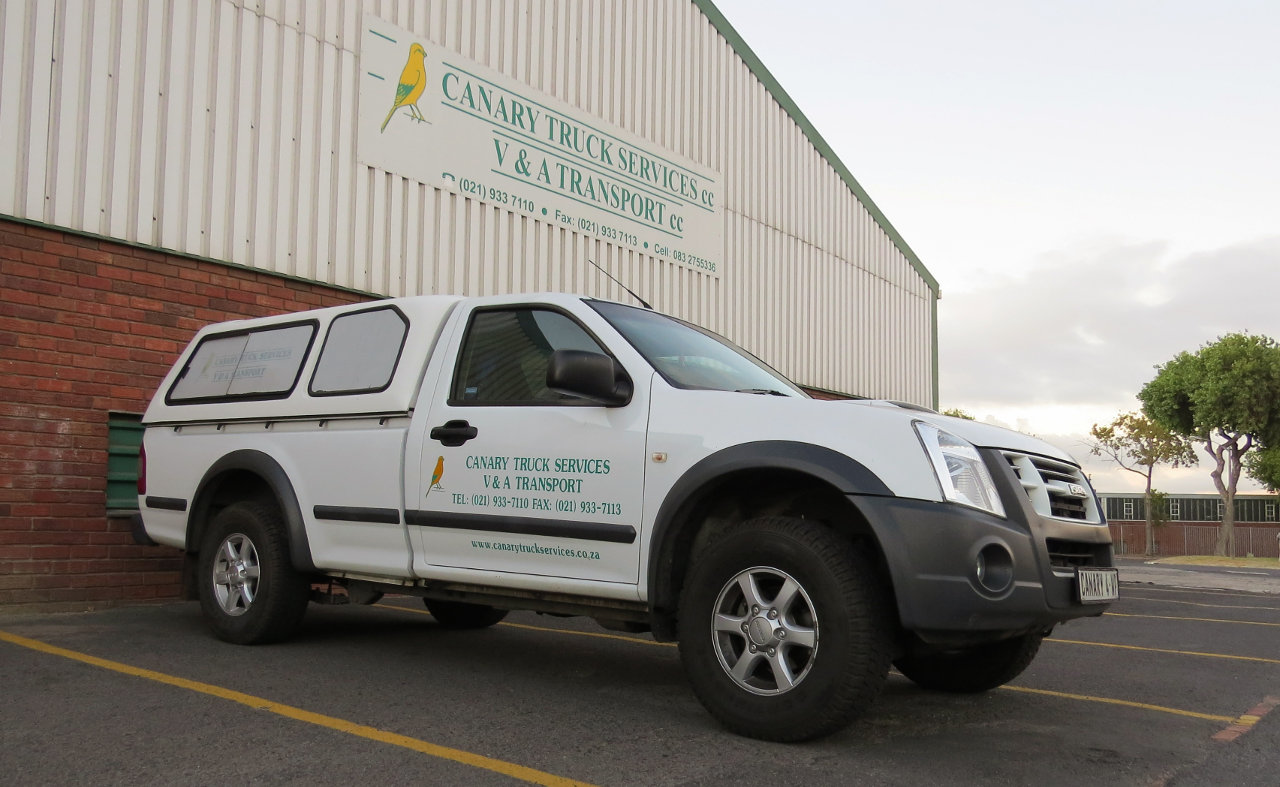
x=1095 y=185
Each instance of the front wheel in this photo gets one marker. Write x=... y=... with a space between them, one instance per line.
x=249 y=591
x=784 y=630
x=974 y=669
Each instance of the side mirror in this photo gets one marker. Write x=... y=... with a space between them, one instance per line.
x=588 y=375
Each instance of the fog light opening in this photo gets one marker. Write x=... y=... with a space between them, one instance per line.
x=993 y=569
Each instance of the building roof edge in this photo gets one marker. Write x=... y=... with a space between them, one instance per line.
x=788 y=104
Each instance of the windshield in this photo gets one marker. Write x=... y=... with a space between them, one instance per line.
x=689 y=357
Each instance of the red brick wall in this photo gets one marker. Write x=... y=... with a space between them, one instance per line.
x=1195 y=538
x=87 y=327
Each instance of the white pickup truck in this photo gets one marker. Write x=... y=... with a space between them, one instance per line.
x=577 y=456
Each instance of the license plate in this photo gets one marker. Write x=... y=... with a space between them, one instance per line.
x=1095 y=585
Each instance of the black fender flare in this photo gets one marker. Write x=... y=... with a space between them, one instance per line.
x=841 y=472
x=273 y=475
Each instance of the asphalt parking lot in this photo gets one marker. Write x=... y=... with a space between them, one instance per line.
x=1175 y=685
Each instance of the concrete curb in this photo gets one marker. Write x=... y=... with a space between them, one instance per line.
x=1201 y=577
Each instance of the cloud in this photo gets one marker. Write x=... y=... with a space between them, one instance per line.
x=1086 y=327
x=1069 y=341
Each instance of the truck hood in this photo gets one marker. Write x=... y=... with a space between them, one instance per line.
x=980 y=434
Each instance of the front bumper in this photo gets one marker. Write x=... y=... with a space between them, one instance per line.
x=932 y=552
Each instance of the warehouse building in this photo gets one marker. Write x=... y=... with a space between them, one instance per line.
x=168 y=164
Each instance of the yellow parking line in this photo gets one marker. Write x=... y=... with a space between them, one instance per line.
x=258 y=703
x=1045 y=692
x=1247 y=721
x=1165 y=650
x=1198 y=620
x=635 y=640
x=596 y=634
x=1197 y=591
x=1126 y=703
x=1128 y=596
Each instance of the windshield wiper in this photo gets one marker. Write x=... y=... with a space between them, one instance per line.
x=760 y=391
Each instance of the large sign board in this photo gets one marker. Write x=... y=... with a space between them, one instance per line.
x=429 y=114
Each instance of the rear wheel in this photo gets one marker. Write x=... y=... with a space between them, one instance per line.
x=974 y=669
x=784 y=630
x=249 y=591
x=461 y=615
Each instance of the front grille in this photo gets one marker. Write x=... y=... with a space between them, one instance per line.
x=1055 y=488
x=1066 y=507
x=1071 y=554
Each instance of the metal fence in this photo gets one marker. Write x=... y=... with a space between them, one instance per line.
x=1183 y=539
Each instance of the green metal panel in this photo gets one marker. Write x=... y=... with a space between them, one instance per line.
x=124 y=441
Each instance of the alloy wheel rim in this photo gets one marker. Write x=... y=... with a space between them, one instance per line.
x=236 y=572
x=765 y=631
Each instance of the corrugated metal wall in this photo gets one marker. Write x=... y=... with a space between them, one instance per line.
x=227 y=130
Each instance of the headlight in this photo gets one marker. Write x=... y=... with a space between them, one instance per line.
x=960 y=470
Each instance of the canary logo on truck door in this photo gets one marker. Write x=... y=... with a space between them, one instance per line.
x=436 y=475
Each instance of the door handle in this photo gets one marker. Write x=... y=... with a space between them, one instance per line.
x=454 y=433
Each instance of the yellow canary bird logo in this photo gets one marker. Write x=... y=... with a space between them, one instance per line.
x=436 y=475
x=413 y=80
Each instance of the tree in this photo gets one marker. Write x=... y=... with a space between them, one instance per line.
x=1226 y=397
x=1263 y=466
x=1159 y=508
x=1138 y=444
x=956 y=412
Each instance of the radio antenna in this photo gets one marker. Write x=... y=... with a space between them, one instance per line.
x=620 y=284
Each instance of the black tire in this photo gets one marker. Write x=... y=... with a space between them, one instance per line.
x=461 y=615
x=971 y=670
x=249 y=591
x=831 y=659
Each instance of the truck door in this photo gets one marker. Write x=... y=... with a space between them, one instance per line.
x=515 y=477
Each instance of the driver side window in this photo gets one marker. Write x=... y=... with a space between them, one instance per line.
x=505 y=356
